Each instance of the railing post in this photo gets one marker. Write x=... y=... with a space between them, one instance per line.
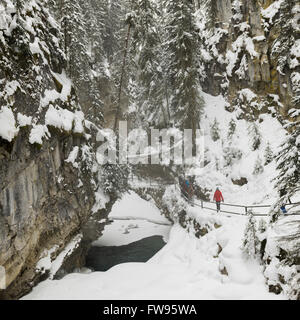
x=201 y=204
x=246 y=210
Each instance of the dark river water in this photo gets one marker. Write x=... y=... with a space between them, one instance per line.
x=103 y=258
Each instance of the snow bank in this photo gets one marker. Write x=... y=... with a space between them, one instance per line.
x=133 y=219
x=132 y=206
x=186 y=268
x=8 y=129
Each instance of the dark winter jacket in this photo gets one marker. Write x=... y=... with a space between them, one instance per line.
x=188 y=188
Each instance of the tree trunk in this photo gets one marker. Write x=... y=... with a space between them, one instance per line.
x=121 y=79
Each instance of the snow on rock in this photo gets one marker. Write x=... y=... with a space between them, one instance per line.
x=295 y=50
x=37 y=133
x=73 y=156
x=8 y=129
x=65 y=119
x=101 y=199
x=24 y=120
x=284 y=234
x=46 y=264
x=10 y=88
x=52 y=95
x=271 y=11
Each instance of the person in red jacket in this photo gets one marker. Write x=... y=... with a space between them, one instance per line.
x=218 y=197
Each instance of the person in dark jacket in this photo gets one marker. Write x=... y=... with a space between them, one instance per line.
x=187 y=190
x=218 y=197
x=282 y=193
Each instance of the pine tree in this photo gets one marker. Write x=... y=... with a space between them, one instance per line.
x=262 y=226
x=231 y=155
x=114 y=179
x=283 y=43
x=82 y=27
x=211 y=9
x=231 y=129
x=258 y=167
x=181 y=46
x=250 y=241
x=287 y=183
x=113 y=21
x=269 y=156
x=146 y=47
x=255 y=136
x=125 y=71
x=262 y=237
x=215 y=130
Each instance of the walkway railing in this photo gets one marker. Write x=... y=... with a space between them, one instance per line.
x=203 y=203
x=244 y=207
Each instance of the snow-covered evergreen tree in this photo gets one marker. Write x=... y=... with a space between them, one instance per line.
x=262 y=237
x=269 y=156
x=215 y=130
x=82 y=28
x=231 y=129
x=211 y=9
x=114 y=179
x=262 y=226
x=255 y=136
x=250 y=241
x=147 y=50
x=258 y=167
x=231 y=155
x=287 y=182
x=113 y=20
x=181 y=46
x=282 y=45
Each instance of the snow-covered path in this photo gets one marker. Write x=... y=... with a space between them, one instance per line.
x=186 y=268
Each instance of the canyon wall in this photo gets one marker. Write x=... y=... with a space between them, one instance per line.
x=250 y=54
x=48 y=177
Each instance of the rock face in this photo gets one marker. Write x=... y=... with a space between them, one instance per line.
x=41 y=205
x=48 y=178
x=250 y=53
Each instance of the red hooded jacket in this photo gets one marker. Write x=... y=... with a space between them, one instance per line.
x=218 y=196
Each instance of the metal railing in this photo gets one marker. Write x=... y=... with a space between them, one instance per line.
x=203 y=202
x=245 y=207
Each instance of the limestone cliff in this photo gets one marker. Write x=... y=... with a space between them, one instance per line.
x=250 y=53
x=47 y=175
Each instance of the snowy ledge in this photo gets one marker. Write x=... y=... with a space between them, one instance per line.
x=47 y=265
x=56 y=117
